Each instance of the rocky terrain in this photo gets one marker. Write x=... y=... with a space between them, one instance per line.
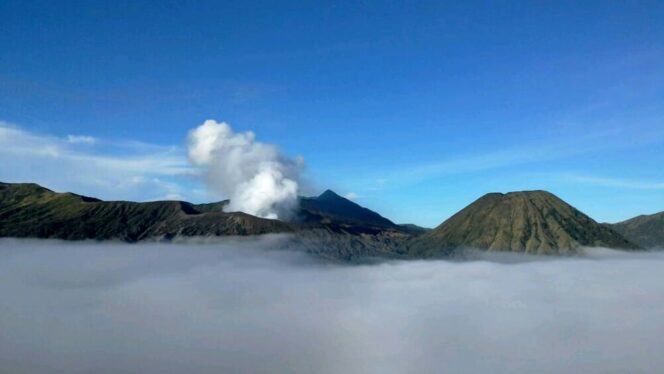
x=29 y=210
x=535 y=222
x=328 y=225
x=646 y=230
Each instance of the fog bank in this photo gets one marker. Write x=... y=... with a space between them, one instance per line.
x=240 y=307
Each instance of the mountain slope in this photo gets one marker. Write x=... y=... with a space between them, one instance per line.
x=211 y=207
x=327 y=208
x=29 y=210
x=647 y=230
x=531 y=221
x=328 y=225
x=330 y=207
x=337 y=229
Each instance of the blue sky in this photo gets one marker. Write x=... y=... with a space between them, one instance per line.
x=416 y=108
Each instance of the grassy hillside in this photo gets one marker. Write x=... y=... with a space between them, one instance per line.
x=532 y=222
x=535 y=222
x=647 y=230
x=29 y=210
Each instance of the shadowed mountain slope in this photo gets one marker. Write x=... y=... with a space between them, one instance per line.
x=647 y=230
x=535 y=222
x=336 y=229
x=328 y=225
x=330 y=207
x=29 y=210
x=211 y=207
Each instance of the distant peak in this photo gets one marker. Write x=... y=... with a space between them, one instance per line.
x=329 y=194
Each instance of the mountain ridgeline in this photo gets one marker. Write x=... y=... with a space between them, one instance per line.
x=329 y=225
x=535 y=222
x=332 y=208
x=646 y=231
x=29 y=210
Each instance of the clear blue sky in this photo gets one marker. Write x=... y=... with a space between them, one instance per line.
x=418 y=108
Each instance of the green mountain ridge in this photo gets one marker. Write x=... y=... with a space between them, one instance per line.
x=536 y=222
x=329 y=225
x=29 y=210
x=645 y=230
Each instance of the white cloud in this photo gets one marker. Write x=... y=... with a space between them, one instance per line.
x=614 y=182
x=81 y=139
x=351 y=196
x=127 y=171
x=552 y=149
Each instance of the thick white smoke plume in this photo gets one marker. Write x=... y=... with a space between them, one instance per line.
x=258 y=179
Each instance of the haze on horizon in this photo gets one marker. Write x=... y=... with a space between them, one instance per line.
x=413 y=110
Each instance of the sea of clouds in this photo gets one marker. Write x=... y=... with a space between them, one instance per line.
x=240 y=306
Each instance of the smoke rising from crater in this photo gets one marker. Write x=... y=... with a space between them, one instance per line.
x=258 y=179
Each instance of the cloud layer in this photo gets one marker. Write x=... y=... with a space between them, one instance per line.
x=235 y=307
x=258 y=178
x=83 y=164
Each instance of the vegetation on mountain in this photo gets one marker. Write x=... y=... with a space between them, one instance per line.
x=646 y=230
x=536 y=222
x=329 y=225
x=29 y=210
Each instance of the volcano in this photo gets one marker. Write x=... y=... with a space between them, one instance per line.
x=536 y=222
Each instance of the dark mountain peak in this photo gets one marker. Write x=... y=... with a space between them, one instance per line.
x=330 y=195
x=330 y=207
x=521 y=221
